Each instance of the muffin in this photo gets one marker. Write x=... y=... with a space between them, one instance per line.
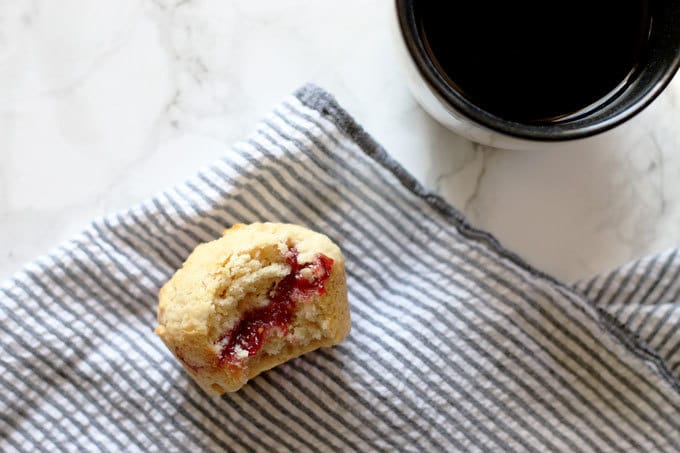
x=260 y=295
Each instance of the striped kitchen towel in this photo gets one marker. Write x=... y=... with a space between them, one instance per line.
x=456 y=345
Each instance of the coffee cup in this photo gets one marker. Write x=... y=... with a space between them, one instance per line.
x=614 y=61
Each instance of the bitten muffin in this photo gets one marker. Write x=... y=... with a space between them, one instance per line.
x=260 y=295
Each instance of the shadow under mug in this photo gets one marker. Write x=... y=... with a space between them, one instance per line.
x=659 y=62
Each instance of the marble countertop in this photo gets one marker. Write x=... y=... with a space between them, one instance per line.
x=104 y=103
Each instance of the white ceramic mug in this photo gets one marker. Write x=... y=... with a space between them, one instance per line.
x=660 y=62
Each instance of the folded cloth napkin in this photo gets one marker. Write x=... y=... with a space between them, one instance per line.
x=456 y=344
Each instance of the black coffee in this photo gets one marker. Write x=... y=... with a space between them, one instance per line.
x=535 y=62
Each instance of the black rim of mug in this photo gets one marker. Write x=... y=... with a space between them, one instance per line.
x=568 y=130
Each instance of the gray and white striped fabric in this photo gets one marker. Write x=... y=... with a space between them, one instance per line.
x=456 y=344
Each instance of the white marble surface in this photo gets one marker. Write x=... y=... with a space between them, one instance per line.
x=103 y=103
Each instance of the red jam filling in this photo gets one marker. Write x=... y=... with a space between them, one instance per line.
x=299 y=285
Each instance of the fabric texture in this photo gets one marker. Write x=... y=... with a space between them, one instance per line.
x=456 y=343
